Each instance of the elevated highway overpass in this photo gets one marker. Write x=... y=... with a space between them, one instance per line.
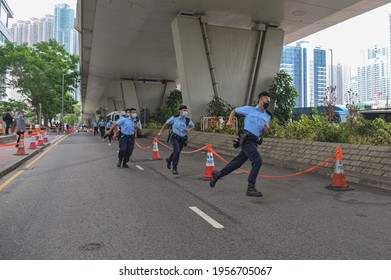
x=133 y=52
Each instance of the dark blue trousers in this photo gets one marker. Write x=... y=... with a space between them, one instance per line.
x=249 y=151
x=177 y=148
x=126 y=145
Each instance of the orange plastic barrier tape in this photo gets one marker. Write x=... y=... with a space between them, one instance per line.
x=10 y=144
x=326 y=162
x=141 y=147
x=184 y=152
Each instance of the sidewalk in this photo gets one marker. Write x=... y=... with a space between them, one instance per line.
x=9 y=161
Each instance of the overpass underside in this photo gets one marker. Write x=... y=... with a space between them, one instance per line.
x=133 y=53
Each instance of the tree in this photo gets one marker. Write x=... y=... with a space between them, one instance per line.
x=329 y=101
x=71 y=119
x=219 y=107
x=38 y=73
x=284 y=96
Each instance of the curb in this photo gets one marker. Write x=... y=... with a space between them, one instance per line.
x=15 y=165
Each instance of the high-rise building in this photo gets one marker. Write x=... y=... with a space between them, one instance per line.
x=64 y=18
x=307 y=66
x=374 y=76
x=5 y=35
x=33 y=31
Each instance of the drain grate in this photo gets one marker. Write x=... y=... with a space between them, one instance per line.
x=92 y=247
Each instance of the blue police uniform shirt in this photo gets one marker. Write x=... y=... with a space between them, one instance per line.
x=95 y=124
x=179 y=125
x=127 y=125
x=102 y=124
x=254 y=118
x=109 y=124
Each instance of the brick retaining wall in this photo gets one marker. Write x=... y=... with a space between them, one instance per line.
x=363 y=164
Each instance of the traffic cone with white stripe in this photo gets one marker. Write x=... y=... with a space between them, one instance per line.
x=40 y=139
x=21 y=151
x=33 y=143
x=155 y=150
x=339 y=181
x=45 y=136
x=210 y=164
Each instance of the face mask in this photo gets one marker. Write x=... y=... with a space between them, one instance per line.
x=134 y=115
x=184 y=114
x=21 y=115
x=266 y=105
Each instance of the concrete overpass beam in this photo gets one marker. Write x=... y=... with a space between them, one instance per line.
x=193 y=69
x=129 y=95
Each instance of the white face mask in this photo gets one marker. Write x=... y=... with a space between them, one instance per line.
x=134 y=115
x=184 y=114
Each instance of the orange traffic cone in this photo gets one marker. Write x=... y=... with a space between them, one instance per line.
x=210 y=164
x=339 y=181
x=40 y=139
x=33 y=143
x=45 y=136
x=155 y=150
x=21 y=151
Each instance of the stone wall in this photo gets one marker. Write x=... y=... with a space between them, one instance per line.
x=363 y=164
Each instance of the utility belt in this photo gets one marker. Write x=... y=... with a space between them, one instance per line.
x=127 y=136
x=180 y=139
x=245 y=136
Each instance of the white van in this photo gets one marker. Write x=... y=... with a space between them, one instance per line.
x=114 y=115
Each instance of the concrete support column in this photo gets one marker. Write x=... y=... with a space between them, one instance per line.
x=129 y=95
x=193 y=69
x=270 y=60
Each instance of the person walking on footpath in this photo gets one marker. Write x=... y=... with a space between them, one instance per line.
x=181 y=126
x=129 y=125
x=20 y=125
x=256 y=120
x=8 y=121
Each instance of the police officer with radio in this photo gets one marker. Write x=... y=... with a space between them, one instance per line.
x=256 y=120
x=129 y=125
x=181 y=125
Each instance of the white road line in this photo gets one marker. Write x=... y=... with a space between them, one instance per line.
x=206 y=217
x=139 y=167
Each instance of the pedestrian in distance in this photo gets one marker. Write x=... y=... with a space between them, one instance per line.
x=96 y=127
x=20 y=125
x=8 y=121
x=181 y=126
x=129 y=125
x=102 y=129
x=256 y=120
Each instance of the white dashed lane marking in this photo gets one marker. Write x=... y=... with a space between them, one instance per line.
x=206 y=217
x=139 y=167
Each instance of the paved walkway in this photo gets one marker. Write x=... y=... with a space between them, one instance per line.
x=9 y=161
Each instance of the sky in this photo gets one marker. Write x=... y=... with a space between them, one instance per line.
x=346 y=39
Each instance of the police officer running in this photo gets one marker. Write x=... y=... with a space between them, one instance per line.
x=181 y=125
x=102 y=126
x=96 y=127
x=256 y=120
x=129 y=127
x=109 y=124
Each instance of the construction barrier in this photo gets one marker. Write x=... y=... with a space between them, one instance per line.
x=208 y=174
x=33 y=143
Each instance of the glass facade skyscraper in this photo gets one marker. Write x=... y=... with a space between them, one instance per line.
x=64 y=18
x=5 y=35
x=308 y=70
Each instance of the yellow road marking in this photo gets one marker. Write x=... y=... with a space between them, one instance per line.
x=6 y=183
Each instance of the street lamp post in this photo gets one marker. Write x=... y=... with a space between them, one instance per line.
x=62 y=105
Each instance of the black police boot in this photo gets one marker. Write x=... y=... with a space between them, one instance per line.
x=252 y=191
x=125 y=165
x=174 y=171
x=168 y=163
x=216 y=175
x=119 y=163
